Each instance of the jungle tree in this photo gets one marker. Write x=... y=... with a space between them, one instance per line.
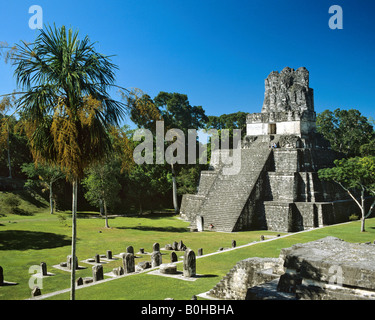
x=66 y=107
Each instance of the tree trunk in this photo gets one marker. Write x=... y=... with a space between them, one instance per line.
x=9 y=164
x=363 y=211
x=175 y=200
x=105 y=212
x=101 y=207
x=74 y=236
x=360 y=205
x=51 y=197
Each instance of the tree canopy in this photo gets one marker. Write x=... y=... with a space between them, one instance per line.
x=66 y=108
x=346 y=130
x=355 y=175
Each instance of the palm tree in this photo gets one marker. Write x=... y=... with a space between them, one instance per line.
x=65 y=106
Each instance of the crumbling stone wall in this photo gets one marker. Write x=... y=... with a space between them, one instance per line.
x=245 y=274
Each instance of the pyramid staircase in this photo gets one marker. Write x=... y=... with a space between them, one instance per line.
x=223 y=197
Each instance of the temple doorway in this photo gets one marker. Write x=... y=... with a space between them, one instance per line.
x=272 y=128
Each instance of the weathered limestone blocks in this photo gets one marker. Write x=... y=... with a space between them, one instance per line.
x=97 y=272
x=43 y=268
x=168 y=268
x=189 y=264
x=109 y=254
x=36 y=291
x=119 y=271
x=288 y=91
x=176 y=246
x=156 y=259
x=128 y=262
x=174 y=257
x=69 y=262
x=325 y=269
x=246 y=274
x=331 y=268
x=143 y=265
x=156 y=247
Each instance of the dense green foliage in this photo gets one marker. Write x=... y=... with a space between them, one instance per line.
x=356 y=176
x=346 y=130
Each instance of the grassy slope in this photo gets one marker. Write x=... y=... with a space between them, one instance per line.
x=29 y=240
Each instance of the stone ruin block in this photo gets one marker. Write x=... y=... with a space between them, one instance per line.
x=43 y=267
x=168 y=268
x=36 y=292
x=87 y=280
x=175 y=246
x=79 y=281
x=143 y=265
x=97 y=272
x=109 y=254
x=97 y=258
x=189 y=264
x=156 y=247
x=325 y=269
x=181 y=246
x=247 y=274
x=119 y=271
x=128 y=263
x=69 y=262
x=168 y=247
x=156 y=259
x=331 y=269
x=174 y=257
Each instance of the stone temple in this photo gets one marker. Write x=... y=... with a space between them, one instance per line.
x=277 y=186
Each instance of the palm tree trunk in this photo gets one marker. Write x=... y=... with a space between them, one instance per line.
x=74 y=236
x=51 y=197
x=175 y=200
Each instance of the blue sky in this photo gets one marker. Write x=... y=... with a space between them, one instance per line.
x=218 y=52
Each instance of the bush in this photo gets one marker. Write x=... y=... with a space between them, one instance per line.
x=62 y=219
x=11 y=201
x=353 y=217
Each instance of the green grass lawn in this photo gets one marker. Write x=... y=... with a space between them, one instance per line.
x=27 y=240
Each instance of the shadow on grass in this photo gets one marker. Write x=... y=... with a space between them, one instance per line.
x=25 y=240
x=88 y=214
x=159 y=229
x=31 y=198
x=21 y=212
x=154 y=215
x=206 y=276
